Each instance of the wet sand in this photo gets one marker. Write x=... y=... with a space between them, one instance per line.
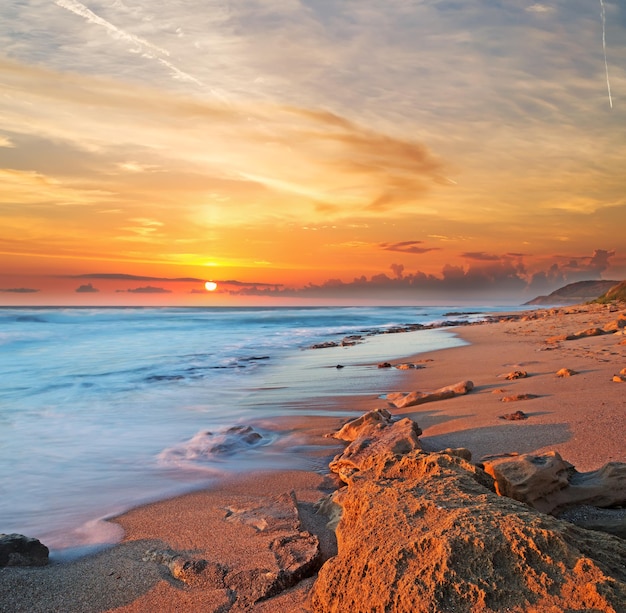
x=582 y=416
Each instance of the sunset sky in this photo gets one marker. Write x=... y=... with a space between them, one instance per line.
x=309 y=151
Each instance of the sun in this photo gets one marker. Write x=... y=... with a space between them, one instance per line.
x=210 y=286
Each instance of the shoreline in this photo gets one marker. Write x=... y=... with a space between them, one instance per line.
x=581 y=416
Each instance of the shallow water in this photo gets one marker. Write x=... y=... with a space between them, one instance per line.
x=103 y=409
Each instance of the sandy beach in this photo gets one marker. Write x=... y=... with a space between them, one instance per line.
x=582 y=416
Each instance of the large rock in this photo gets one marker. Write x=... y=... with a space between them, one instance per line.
x=395 y=438
x=401 y=400
x=20 y=550
x=424 y=532
x=550 y=484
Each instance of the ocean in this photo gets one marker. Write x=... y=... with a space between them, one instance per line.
x=103 y=409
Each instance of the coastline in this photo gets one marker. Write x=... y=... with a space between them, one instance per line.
x=582 y=417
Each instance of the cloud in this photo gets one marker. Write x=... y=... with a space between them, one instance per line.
x=148 y=289
x=19 y=290
x=86 y=289
x=125 y=277
x=407 y=247
x=6 y=142
x=480 y=256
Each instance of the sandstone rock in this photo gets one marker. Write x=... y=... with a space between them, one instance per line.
x=395 y=438
x=528 y=478
x=20 y=550
x=566 y=372
x=623 y=371
x=516 y=397
x=614 y=326
x=297 y=556
x=423 y=532
x=550 y=484
x=407 y=366
x=517 y=416
x=459 y=452
x=362 y=425
x=619 y=378
x=516 y=374
x=280 y=513
x=191 y=571
x=401 y=400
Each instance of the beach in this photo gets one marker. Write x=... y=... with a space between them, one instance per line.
x=581 y=416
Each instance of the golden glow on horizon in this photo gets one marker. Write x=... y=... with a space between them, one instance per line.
x=284 y=167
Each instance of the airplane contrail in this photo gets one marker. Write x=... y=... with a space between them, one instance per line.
x=152 y=51
x=606 y=65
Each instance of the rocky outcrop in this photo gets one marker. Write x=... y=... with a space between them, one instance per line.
x=401 y=400
x=284 y=554
x=425 y=531
x=550 y=484
x=20 y=550
x=369 y=441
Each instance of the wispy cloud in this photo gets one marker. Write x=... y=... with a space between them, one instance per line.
x=19 y=290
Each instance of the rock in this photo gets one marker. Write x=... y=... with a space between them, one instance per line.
x=566 y=372
x=362 y=425
x=623 y=371
x=396 y=438
x=407 y=366
x=423 y=532
x=550 y=484
x=191 y=571
x=619 y=378
x=401 y=400
x=339 y=366
x=384 y=365
x=611 y=521
x=20 y=550
x=297 y=556
x=615 y=325
x=275 y=514
x=517 y=416
x=516 y=374
x=516 y=397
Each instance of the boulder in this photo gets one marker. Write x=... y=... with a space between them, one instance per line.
x=401 y=400
x=20 y=550
x=362 y=425
x=424 y=532
x=550 y=484
x=396 y=438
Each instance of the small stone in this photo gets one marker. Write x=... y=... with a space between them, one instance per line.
x=384 y=365
x=566 y=372
x=517 y=397
x=517 y=416
x=517 y=374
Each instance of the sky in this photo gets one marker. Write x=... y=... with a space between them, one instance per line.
x=309 y=151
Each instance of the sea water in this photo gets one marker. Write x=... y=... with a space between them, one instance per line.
x=102 y=409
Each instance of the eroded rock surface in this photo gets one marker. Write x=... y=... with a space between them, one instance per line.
x=424 y=532
x=401 y=400
x=549 y=483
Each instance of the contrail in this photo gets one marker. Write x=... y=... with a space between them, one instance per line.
x=606 y=65
x=148 y=48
